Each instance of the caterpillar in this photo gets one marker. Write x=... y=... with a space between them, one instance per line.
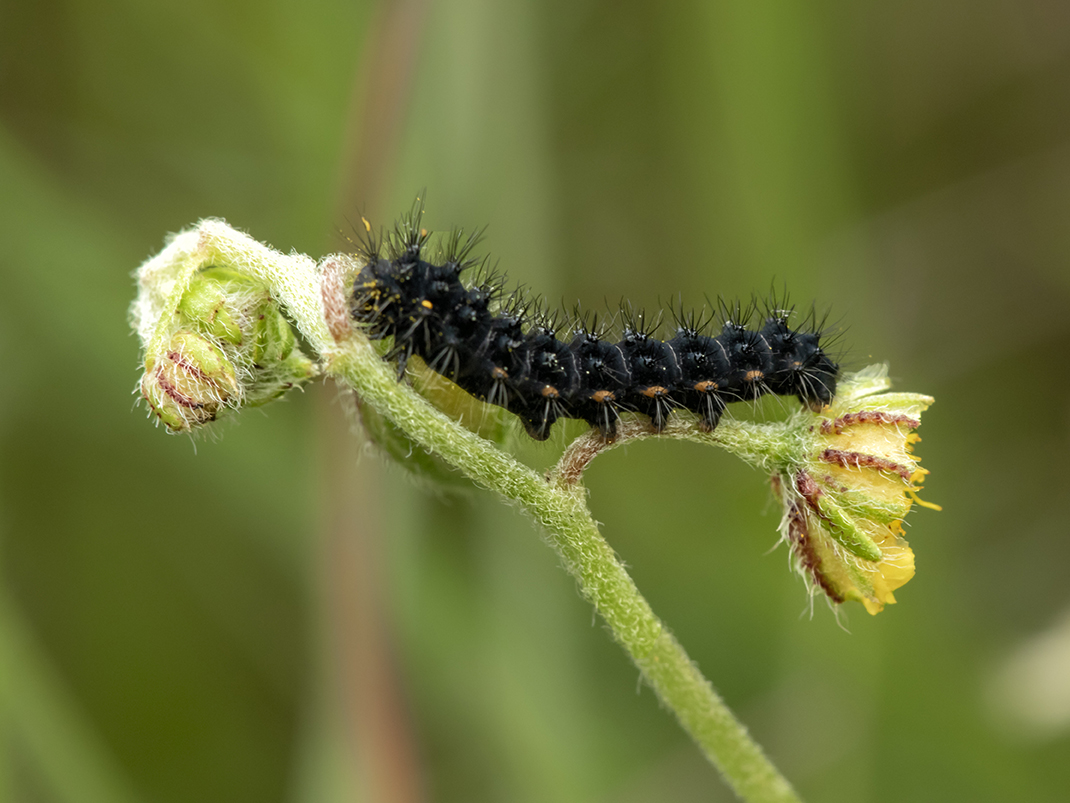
x=505 y=350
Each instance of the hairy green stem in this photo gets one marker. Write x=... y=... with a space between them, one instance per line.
x=314 y=297
x=561 y=510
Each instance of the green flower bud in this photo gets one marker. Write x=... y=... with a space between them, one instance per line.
x=215 y=339
x=188 y=382
x=205 y=303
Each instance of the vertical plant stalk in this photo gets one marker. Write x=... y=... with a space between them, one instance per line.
x=560 y=509
x=845 y=534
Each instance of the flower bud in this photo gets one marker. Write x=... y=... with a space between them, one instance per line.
x=844 y=502
x=188 y=382
x=221 y=344
x=205 y=304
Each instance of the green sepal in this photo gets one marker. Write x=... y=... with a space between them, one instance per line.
x=189 y=382
x=846 y=532
x=273 y=338
x=861 y=505
x=204 y=304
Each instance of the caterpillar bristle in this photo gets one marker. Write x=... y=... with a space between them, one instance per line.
x=503 y=345
x=456 y=253
x=691 y=320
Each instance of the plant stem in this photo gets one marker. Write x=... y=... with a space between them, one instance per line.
x=561 y=511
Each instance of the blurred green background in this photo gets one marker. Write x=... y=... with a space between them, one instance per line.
x=274 y=614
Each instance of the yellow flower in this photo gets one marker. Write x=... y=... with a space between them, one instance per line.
x=844 y=504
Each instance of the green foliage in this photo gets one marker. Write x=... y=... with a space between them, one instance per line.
x=902 y=163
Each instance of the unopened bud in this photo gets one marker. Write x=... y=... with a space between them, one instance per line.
x=189 y=382
x=222 y=343
x=205 y=304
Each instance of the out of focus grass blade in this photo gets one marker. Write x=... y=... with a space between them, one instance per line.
x=43 y=720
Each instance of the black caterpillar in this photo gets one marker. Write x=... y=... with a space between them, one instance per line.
x=503 y=352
